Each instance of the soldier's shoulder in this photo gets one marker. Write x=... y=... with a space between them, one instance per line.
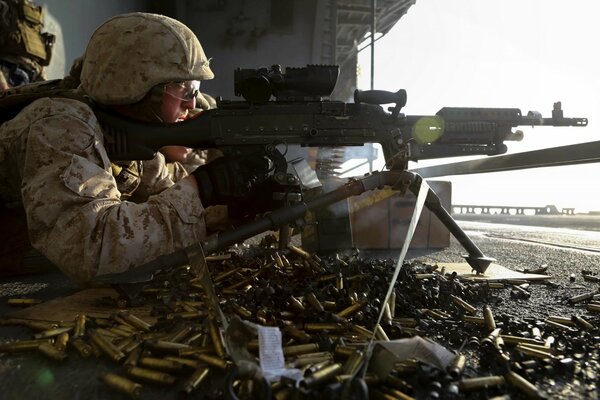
x=59 y=107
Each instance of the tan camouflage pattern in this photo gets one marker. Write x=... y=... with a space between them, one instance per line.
x=53 y=161
x=131 y=53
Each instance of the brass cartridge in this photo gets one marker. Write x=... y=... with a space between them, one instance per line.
x=215 y=335
x=151 y=376
x=163 y=345
x=133 y=357
x=328 y=277
x=190 y=351
x=325 y=375
x=339 y=281
x=559 y=326
x=226 y=274
x=79 y=326
x=197 y=337
x=106 y=347
x=240 y=310
x=380 y=333
x=52 y=332
x=526 y=387
x=302 y=362
x=132 y=346
x=582 y=323
x=361 y=331
x=180 y=334
x=392 y=303
x=391 y=393
x=323 y=326
x=458 y=366
x=214 y=361
x=496 y=285
x=51 y=352
x=160 y=364
x=535 y=352
x=120 y=332
x=481 y=383
x=473 y=320
x=289 y=351
x=125 y=342
x=488 y=318
x=84 y=349
x=518 y=339
x=313 y=301
x=61 y=342
x=185 y=361
x=593 y=307
x=353 y=363
x=186 y=315
x=348 y=311
x=195 y=380
x=581 y=297
x=343 y=351
x=23 y=302
x=136 y=321
x=35 y=325
x=22 y=345
x=122 y=384
x=297 y=334
x=329 y=305
x=296 y=304
x=561 y=320
x=463 y=304
x=407 y=322
x=301 y=252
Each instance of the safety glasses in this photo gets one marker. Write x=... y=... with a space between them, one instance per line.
x=184 y=91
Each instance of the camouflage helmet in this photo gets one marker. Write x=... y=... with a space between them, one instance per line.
x=130 y=53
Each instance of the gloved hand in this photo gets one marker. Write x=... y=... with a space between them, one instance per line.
x=229 y=179
x=259 y=200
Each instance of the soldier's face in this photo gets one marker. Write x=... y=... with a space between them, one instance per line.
x=178 y=99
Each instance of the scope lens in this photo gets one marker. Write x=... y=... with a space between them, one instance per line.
x=428 y=129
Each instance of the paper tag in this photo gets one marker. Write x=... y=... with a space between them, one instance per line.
x=271 y=355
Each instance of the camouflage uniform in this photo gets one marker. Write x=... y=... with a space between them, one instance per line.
x=53 y=161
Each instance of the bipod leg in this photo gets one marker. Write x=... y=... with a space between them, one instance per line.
x=476 y=259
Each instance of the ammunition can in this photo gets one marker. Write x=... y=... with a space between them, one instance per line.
x=51 y=352
x=22 y=345
x=348 y=311
x=463 y=304
x=215 y=335
x=23 y=302
x=526 y=387
x=481 y=383
x=325 y=375
x=488 y=318
x=214 y=361
x=458 y=366
x=289 y=351
x=122 y=384
x=151 y=376
x=160 y=364
x=313 y=301
x=84 y=349
x=195 y=380
x=52 y=333
x=107 y=347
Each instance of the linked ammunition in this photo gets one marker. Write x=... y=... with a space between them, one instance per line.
x=481 y=383
x=463 y=304
x=488 y=318
x=526 y=387
x=195 y=380
x=289 y=351
x=22 y=345
x=313 y=301
x=151 y=376
x=106 y=347
x=122 y=384
x=23 y=302
x=325 y=375
x=51 y=352
x=160 y=364
x=214 y=361
x=52 y=333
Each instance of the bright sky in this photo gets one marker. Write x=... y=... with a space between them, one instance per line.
x=526 y=54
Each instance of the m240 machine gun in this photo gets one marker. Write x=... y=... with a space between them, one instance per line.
x=285 y=108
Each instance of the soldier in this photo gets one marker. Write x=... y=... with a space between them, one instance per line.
x=24 y=48
x=90 y=216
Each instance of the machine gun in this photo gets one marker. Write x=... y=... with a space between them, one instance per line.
x=299 y=115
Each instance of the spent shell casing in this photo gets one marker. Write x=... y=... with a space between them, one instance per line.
x=324 y=326
x=189 y=363
x=353 y=363
x=526 y=387
x=61 y=341
x=325 y=375
x=311 y=299
x=79 y=326
x=240 y=310
x=518 y=339
x=125 y=342
x=22 y=345
x=133 y=357
x=457 y=366
x=136 y=321
x=380 y=333
x=194 y=338
x=195 y=380
x=350 y=310
x=481 y=383
x=392 y=303
x=303 y=362
x=463 y=304
x=122 y=384
x=52 y=352
x=488 y=318
x=180 y=334
x=297 y=334
x=301 y=252
x=160 y=364
x=52 y=332
x=190 y=351
x=593 y=308
x=361 y=331
x=226 y=274
x=163 y=345
x=343 y=351
x=562 y=327
x=561 y=320
x=296 y=304
x=84 y=349
x=339 y=281
x=473 y=320
x=317 y=366
x=214 y=361
x=535 y=352
x=22 y=302
x=106 y=347
x=289 y=351
x=392 y=393
x=132 y=346
x=582 y=323
x=581 y=297
x=151 y=376
x=215 y=335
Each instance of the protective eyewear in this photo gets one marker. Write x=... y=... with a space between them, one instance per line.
x=184 y=91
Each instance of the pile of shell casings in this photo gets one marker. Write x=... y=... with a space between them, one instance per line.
x=327 y=311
